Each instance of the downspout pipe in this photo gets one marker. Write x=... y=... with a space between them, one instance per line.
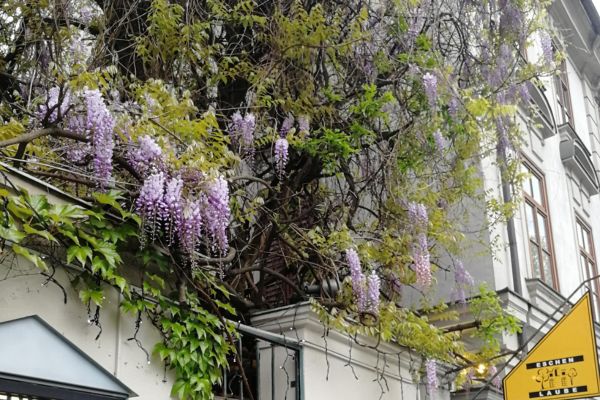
x=512 y=242
x=510 y=224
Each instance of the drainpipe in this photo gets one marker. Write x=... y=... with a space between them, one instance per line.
x=510 y=224
x=512 y=241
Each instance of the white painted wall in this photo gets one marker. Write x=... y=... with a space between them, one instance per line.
x=336 y=368
x=23 y=293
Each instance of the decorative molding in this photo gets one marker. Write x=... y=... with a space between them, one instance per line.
x=576 y=157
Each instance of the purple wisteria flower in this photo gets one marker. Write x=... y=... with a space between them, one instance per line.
x=52 y=105
x=243 y=128
x=463 y=281
x=431 y=380
x=421 y=262
x=286 y=125
x=546 y=44
x=248 y=129
x=439 y=140
x=453 y=107
x=417 y=215
x=172 y=207
x=357 y=278
x=430 y=85
x=281 y=156
x=145 y=154
x=373 y=286
x=503 y=61
x=78 y=152
x=304 y=124
x=511 y=20
x=524 y=92
x=497 y=381
x=217 y=213
x=150 y=202
x=190 y=228
x=99 y=125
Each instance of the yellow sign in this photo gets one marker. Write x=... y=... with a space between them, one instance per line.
x=563 y=365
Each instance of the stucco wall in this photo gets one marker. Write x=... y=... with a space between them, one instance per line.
x=23 y=292
x=335 y=367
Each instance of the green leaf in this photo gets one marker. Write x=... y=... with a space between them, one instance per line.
x=65 y=213
x=94 y=295
x=120 y=282
x=12 y=234
x=112 y=199
x=68 y=233
x=478 y=107
x=81 y=253
x=34 y=258
x=109 y=252
x=45 y=234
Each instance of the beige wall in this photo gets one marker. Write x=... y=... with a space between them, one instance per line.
x=23 y=293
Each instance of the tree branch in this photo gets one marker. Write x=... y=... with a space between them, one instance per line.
x=54 y=131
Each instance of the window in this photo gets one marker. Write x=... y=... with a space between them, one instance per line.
x=538 y=228
x=563 y=97
x=587 y=259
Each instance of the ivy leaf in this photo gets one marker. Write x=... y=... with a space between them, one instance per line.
x=178 y=388
x=65 y=213
x=94 y=295
x=12 y=234
x=68 y=233
x=45 y=234
x=109 y=252
x=81 y=253
x=120 y=282
x=34 y=258
x=111 y=198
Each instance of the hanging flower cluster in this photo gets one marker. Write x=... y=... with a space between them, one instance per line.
x=431 y=379
x=217 y=213
x=143 y=156
x=242 y=129
x=546 y=45
x=453 y=106
x=190 y=227
x=366 y=290
x=430 y=85
x=496 y=381
x=286 y=125
x=304 y=124
x=373 y=286
x=99 y=124
x=418 y=218
x=440 y=141
x=162 y=204
x=90 y=118
x=149 y=202
x=463 y=281
x=281 y=156
x=422 y=265
x=52 y=105
x=171 y=211
x=357 y=278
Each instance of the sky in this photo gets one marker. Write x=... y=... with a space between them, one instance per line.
x=597 y=4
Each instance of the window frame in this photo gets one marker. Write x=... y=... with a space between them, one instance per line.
x=563 y=95
x=539 y=209
x=590 y=261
